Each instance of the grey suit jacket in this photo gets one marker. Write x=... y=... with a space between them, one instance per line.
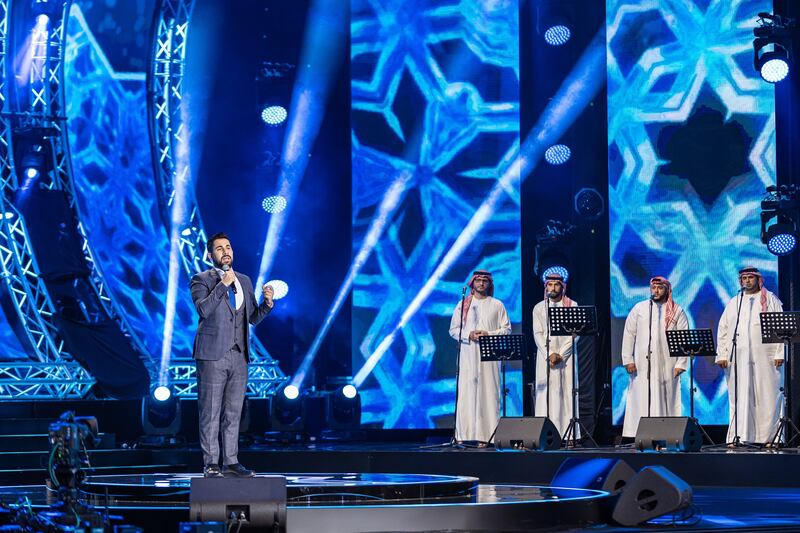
x=215 y=324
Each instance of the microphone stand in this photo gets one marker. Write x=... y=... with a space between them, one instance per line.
x=453 y=442
x=547 y=356
x=737 y=439
x=649 y=354
x=734 y=353
x=453 y=439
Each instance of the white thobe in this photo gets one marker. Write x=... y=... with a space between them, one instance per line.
x=759 y=402
x=478 y=406
x=664 y=387
x=561 y=375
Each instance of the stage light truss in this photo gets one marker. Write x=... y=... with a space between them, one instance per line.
x=22 y=288
x=262 y=381
x=165 y=90
x=22 y=284
x=30 y=381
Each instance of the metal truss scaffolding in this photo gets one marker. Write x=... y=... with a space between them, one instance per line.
x=41 y=110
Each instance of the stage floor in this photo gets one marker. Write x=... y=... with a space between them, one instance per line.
x=714 y=509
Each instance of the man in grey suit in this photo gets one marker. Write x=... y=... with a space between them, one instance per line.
x=226 y=305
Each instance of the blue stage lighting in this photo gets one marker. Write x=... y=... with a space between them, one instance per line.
x=42 y=20
x=774 y=69
x=556 y=269
x=162 y=393
x=274 y=115
x=781 y=238
x=280 y=287
x=349 y=391
x=9 y=215
x=31 y=173
x=557 y=35
x=558 y=154
x=291 y=392
x=274 y=204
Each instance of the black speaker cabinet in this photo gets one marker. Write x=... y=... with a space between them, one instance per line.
x=261 y=500
x=598 y=473
x=526 y=433
x=652 y=492
x=668 y=433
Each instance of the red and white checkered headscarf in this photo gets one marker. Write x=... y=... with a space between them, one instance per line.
x=565 y=300
x=468 y=301
x=753 y=271
x=671 y=306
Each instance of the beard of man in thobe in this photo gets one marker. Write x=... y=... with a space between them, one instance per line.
x=658 y=293
x=750 y=284
x=555 y=291
x=480 y=290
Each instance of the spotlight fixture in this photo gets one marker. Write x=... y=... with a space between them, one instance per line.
x=161 y=417
x=343 y=408
x=162 y=393
x=287 y=410
x=780 y=212
x=281 y=289
x=274 y=115
x=274 y=204
x=557 y=35
x=556 y=269
x=773 y=65
x=558 y=154
x=781 y=238
x=33 y=161
x=589 y=203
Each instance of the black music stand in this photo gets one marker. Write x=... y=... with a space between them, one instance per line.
x=692 y=343
x=571 y=322
x=783 y=327
x=502 y=348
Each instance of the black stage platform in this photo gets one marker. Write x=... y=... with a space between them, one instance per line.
x=352 y=502
x=482 y=489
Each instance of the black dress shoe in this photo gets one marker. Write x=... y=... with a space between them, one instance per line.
x=211 y=470
x=237 y=470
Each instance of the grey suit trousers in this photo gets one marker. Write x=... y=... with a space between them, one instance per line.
x=221 y=388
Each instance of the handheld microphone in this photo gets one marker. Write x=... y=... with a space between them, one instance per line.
x=226 y=268
x=551 y=295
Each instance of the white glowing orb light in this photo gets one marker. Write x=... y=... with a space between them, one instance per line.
x=274 y=204
x=557 y=35
x=162 y=393
x=349 y=392
x=274 y=115
x=291 y=392
x=280 y=287
x=558 y=154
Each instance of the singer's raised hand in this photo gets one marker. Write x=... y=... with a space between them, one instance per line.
x=269 y=294
x=228 y=277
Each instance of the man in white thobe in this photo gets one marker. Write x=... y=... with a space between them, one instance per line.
x=553 y=359
x=758 y=405
x=477 y=383
x=646 y=333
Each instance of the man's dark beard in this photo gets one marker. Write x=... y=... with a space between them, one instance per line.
x=660 y=299
x=220 y=263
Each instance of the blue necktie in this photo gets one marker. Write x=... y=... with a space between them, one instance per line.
x=232 y=297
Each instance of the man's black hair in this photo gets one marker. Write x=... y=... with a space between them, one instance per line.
x=216 y=236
